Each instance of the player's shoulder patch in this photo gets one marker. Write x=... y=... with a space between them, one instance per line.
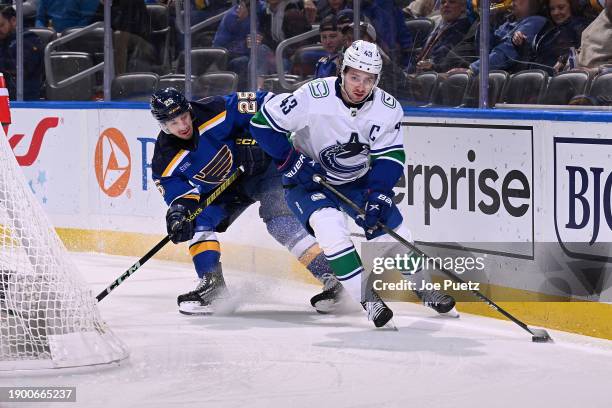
x=318 y=88
x=388 y=100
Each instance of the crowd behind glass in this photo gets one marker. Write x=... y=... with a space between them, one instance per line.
x=540 y=52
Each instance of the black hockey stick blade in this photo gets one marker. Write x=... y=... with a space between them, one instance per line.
x=208 y=201
x=538 y=335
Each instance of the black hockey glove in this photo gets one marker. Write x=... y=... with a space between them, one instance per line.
x=377 y=208
x=299 y=169
x=179 y=228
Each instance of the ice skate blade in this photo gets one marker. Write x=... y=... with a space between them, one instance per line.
x=325 y=306
x=389 y=326
x=195 y=313
x=194 y=309
x=453 y=313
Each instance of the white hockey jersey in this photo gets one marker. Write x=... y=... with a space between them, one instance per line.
x=342 y=139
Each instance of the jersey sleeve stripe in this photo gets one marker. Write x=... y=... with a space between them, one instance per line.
x=174 y=162
x=259 y=125
x=211 y=123
x=393 y=159
x=271 y=122
x=193 y=192
x=192 y=196
x=398 y=155
x=387 y=148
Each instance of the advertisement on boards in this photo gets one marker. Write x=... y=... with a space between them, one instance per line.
x=469 y=184
x=120 y=154
x=48 y=145
x=582 y=197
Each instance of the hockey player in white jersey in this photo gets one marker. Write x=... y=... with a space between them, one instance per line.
x=347 y=130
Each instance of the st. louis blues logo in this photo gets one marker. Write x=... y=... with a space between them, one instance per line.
x=346 y=158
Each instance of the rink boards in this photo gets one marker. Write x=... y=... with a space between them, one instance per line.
x=529 y=192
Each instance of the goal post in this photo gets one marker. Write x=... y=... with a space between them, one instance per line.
x=48 y=315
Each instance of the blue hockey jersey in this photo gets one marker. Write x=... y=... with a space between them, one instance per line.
x=186 y=169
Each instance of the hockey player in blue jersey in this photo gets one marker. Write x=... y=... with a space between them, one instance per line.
x=200 y=144
x=349 y=130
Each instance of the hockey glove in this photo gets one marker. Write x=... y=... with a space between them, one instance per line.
x=179 y=228
x=299 y=169
x=377 y=208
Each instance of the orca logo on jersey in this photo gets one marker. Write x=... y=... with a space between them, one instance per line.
x=346 y=158
x=112 y=162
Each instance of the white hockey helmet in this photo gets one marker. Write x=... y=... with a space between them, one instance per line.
x=364 y=56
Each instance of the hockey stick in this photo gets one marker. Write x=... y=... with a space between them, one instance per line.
x=538 y=335
x=221 y=188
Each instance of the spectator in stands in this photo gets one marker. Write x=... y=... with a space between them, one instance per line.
x=310 y=11
x=32 y=56
x=596 y=44
x=558 y=36
x=344 y=18
x=131 y=25
x=449 y=32
x=367 y=32
x=332 y=42
x=465 y=52
x=281 y=20
x=331 y=7
x=234 y=35
x=396 y=41
x=513 y=39
x=234 y=29
x=204 y=9
x=392 y=32
x=64 y=14
x=419 y=8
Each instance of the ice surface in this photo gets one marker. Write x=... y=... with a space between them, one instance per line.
x=276 y=351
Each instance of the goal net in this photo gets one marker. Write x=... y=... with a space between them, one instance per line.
x=48 y=315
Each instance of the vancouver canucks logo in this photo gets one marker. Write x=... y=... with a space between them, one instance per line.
x=346 y=158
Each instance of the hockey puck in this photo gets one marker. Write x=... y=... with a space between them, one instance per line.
x=540 y=339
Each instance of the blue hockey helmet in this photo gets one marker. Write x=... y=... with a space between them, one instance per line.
x=167 y=104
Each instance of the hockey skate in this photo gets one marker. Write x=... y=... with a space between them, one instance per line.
x=438 y=301
x=201 y=301
x=378 y=311
x=332 y=296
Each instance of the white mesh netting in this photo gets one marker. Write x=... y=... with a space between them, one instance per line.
x=48 y=315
